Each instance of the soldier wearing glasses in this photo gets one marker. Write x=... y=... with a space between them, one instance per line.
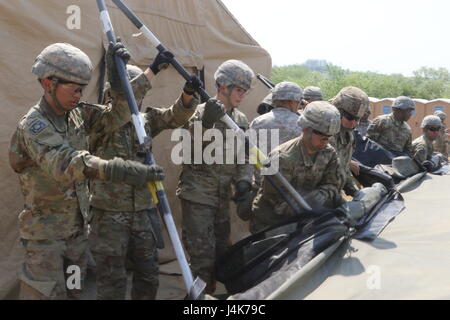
x=309 y=163
x=352 y=103
x=423 y=146
x=49 y=153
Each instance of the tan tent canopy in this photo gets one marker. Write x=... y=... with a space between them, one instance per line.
x=201 y=33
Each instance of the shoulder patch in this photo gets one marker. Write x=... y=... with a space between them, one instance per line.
x=37 y=126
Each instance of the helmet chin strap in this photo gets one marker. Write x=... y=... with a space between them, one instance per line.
x=56 y=103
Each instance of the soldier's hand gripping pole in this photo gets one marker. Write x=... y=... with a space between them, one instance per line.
x=194 y=288
x=257 y=154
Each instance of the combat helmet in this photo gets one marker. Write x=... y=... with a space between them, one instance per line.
x=312 y=93
x=234 y=72
x=287 y=91
x=132 y=71
x=441 y=114
x=321 y=116
x=63 y=61
x=404 y=103
x=432 y=121
x=268 y=99
x=265 y=105
x=351 y=100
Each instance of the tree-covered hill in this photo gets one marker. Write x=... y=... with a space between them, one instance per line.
x=427 y=83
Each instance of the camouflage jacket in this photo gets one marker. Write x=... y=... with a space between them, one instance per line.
x=344 y=144
x=305 y=173
x=49 y=154
x=422 y=149
x=124 y=143
x=210 y=184
x=441 y=144
x=391 y=134
x=282 y=119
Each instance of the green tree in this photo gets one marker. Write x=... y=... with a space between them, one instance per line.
x=427 y=83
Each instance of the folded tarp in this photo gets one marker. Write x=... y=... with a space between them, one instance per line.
x=411 y=259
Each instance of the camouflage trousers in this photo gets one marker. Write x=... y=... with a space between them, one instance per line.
x=206 y=236
x=53 y=269
x=116 y=236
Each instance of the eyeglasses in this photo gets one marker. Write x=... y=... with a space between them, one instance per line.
x=349 y=116
x=321 y=134
x=434 y=129
x=240 y=91
x=73 y=87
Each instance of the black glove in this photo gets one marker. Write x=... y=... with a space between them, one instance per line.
x=428 y=165
x=132 y=172
x=192 y=85
x=113 y=75
x=162 y=61
x=214 y=110
x=243 y=189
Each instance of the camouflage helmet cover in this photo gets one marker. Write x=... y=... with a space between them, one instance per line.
x=352 y=100
x=132 y=70
x=234 y=72
x=268 y=99
x=441 y=114
x=404 y=103
x=321 y=116
x=432 y=121
x=312 y=93
x=287 y=91
x=63 y=61
x=368 y=111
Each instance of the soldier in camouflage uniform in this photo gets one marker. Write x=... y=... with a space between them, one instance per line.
x=310 y=165
x=286 y=98
x=48 y=151
x=125 y=221
x=441 y=144
x=391 y=130
x=352 y=103
x=205 y=189
x=423 y=146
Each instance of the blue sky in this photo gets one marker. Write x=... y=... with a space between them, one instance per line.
x=395 y=36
